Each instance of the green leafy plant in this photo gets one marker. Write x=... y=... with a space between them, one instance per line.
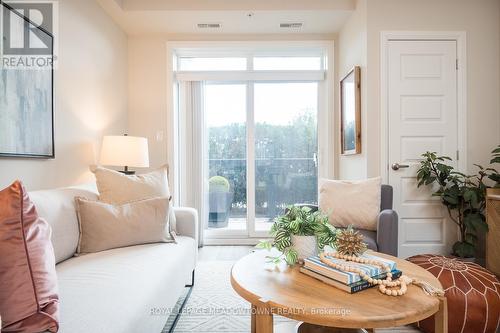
x=218 y=184
x=298 y=221
x=462 y=195
x=495 y=159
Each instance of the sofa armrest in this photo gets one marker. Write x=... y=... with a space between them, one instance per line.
x=187 y=222
x=387 y=232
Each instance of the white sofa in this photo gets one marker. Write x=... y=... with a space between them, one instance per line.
x=122 y=290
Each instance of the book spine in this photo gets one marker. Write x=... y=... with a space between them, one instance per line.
x=366 y=285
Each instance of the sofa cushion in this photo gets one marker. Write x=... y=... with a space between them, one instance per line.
x=105 y=226
x=128 y=289
x=57 y=207
x=28 y=281
x=117 y=188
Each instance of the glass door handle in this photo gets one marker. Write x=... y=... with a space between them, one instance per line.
x=397 y=166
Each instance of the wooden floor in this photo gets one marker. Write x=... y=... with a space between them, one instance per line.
x=223 y=253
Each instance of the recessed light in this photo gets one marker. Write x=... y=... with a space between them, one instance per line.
x=209 y=25
x=293 y=25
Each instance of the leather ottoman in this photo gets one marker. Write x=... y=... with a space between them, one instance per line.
x=473 y=294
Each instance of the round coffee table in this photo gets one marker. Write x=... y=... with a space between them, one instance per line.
x=284 y=291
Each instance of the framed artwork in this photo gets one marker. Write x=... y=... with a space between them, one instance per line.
x=26 y=101
x=350 y=112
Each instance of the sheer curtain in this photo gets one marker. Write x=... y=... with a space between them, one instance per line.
x=192 y=151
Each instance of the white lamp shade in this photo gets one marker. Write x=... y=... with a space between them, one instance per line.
x=129 y=151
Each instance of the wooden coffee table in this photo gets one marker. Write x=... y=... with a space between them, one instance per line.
x=285 y=291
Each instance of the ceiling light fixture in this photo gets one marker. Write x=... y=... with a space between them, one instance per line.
x=294 y=25
x=209 y=25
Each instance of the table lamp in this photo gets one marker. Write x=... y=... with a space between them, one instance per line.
x=126 y=151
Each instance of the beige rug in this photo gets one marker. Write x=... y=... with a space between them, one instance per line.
x=214 y=307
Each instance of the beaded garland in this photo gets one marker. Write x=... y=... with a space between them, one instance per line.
x=387 y=286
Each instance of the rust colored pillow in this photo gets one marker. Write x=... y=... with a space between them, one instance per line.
x=473 y=294
x=28 y=281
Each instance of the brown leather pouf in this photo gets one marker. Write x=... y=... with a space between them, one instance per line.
x=473 y=294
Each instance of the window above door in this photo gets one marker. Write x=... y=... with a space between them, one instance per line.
x=259 y=63
x=255 y=61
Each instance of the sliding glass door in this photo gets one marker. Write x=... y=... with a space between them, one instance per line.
x=226 y=122
x=286 y=146
x=262 y=143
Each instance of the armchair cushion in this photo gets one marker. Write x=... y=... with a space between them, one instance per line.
x=351 y=202
x=385 y=238
x=370 y=238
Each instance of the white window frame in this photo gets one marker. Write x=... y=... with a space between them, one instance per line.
x=324 y=77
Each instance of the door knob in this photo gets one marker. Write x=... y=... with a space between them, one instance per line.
x=397 y=166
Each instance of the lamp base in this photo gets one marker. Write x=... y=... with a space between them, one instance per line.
x=127 y=172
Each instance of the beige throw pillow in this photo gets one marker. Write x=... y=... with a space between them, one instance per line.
x=117 y=188
x=105 y=226
x=354 y=203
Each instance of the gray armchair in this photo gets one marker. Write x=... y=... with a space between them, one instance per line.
x=385 y=238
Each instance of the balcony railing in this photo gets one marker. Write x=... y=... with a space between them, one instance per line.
x=278 y=182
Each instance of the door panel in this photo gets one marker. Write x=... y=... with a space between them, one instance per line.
x=262 y=144
x=286 y=147
x=422 y=115
x=225 y=117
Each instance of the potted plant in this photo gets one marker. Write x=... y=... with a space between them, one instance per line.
x=298 y=234
x=462 y=195
x=495 y=175
x=220 y=200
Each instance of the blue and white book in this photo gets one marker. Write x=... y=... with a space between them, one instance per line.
x=350 y=288
x=315 y=264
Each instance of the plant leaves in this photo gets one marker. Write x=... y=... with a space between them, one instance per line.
x=265 y=244
x=291 y=256
x=463 y=249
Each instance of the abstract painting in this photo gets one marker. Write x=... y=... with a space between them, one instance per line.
x=26 y=124
x=26 y=108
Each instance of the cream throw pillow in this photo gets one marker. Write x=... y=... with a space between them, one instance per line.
x=351 y=202
x=117 y=188
x=105 y=226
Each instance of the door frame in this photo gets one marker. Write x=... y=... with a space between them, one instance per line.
x=460 y=38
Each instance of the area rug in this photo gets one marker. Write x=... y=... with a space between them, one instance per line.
x=214 y=307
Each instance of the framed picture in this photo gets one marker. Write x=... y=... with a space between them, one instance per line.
x=350 y=112
x=26 y=98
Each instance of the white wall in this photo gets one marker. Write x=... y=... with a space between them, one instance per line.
x=147 y=94
x=480 y=20
x=91 y=98
x=351 y=51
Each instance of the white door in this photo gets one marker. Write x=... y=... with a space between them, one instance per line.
x=422 y=116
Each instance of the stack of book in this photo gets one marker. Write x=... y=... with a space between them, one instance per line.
x=347 y=281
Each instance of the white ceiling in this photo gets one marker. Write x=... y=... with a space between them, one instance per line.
x=139 y=17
